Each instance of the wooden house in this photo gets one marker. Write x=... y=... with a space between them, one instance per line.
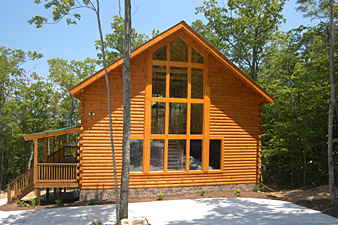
x=195 y=121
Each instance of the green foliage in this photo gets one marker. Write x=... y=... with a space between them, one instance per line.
x=244 y=30
x=238 y=192
x=294 y=127
x=114 y=41
x=64 y=75
x=59 y=202
x=22 y=204
x=256 y=188
x=91 y=202
x=200 y=191
x=61 y=9
x=160 y=195
x=33 y=202
x=98 y=222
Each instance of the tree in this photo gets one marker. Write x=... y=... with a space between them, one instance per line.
x=243 y=30
x=114 y=42
x=11 y=75
x=60 y=10
x=65 y=75
x=322 y=10
x=333 y=105
x=126 y=112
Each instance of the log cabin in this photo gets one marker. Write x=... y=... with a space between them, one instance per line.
x=195 y=123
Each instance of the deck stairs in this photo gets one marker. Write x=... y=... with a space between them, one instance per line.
x=24 y=184
x=175 y=156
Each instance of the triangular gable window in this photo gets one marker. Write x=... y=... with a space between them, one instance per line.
x=160 y=54
x=178 y=50
x=196 y=57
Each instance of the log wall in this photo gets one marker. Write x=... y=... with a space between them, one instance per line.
x=234 y=115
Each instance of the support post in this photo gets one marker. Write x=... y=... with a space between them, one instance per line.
x=54 y=194
x=53 y=148
x=59 y=142
x=35 y=177
x=46 y=148
x=47 y=194
x=38 y=196
x=9 y=194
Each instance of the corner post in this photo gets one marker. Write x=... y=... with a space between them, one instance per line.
x=46 y=147
x=35 y=178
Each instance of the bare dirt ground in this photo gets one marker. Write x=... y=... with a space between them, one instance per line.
x=316 y=198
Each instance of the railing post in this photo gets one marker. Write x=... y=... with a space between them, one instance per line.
x=9 y=197
x=46 y=147
x=35 y=176
x=53 y=149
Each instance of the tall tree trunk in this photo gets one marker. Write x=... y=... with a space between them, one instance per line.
x=2 y=159
x=332 y=107
x=126 y=113
x=109 y=112
x=13 y=155
x=292 y=132
x=31 y=156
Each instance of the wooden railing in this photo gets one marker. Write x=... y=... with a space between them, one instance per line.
x=20 y=186
x=49 y=173
x=61 y=154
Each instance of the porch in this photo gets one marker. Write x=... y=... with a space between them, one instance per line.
x=57 y=167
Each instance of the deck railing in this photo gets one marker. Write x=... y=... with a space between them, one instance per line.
x=62 y=153
x=56 y=173
x=20 y=186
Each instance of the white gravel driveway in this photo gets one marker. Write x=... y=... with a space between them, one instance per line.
x=213 y=211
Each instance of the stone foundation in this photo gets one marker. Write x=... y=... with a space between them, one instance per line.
x=109 y=194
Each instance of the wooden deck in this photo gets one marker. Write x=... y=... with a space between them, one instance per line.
x=57 y=170
x=52 y=175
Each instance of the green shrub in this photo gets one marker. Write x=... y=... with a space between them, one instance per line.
x=201 y=192
x=256 y=188
x=98 y=222
x=160 y=195
x=59 y=202
x=91 y=202
x=238 y=192
x=33 y=202
x=21 y=204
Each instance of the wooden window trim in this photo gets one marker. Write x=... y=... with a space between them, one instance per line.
x=222 y=153
x=205 y=136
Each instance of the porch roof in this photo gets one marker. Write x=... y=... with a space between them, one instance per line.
x=52 y=133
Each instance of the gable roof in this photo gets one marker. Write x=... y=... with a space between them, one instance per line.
x=182 y=26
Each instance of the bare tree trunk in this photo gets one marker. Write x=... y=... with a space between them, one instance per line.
x=332 y=107
x=2 y=160
x=31 y=156
x=292 y=132
x=109 y=112
x=126 y=113
x=13 y=155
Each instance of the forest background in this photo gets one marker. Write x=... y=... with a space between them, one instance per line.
x=292 y=66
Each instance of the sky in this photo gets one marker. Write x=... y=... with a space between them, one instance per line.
x=77 y=41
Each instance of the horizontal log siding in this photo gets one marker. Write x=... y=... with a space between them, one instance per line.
x=235 y=115
x=96 y=165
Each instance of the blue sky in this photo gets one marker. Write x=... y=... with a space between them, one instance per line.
x=77 y=42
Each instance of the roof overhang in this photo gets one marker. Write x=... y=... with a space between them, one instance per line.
x=51 y=133
x=265 y=97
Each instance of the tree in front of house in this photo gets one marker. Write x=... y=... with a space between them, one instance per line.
x=65 y=8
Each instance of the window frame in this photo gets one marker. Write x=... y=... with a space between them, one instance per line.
x=205 y=101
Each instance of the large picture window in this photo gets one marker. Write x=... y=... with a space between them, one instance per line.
x=177 y=138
